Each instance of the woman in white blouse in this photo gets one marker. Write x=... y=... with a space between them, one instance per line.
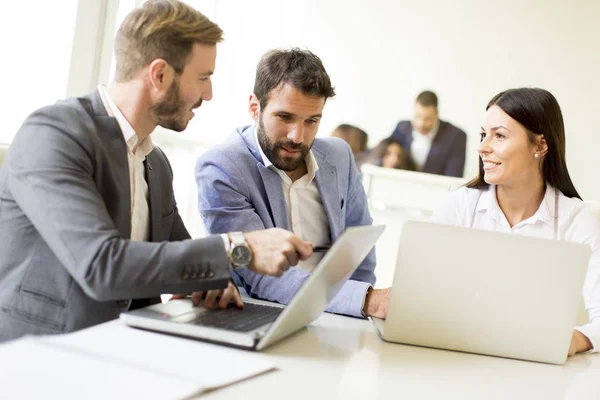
x=524 y=187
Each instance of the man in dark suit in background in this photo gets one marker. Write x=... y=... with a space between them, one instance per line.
x=436 y=146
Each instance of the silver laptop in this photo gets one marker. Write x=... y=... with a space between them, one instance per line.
x=485 y=292
x=259 y=324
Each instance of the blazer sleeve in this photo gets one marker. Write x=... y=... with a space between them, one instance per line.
x=225 y=206
x=358 y=214
x=51 y=177
x=223 y=196
x=455 y=165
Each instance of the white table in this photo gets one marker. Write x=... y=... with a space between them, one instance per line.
x=340 y=357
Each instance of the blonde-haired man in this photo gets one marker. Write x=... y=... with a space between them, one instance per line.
x=88 y=219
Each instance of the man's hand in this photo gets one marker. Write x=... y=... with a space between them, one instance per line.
x=376 y=302
x=579 y=343
x=275 y=250
x=220 y=297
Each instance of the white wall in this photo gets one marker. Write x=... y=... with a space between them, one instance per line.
x=381 y=54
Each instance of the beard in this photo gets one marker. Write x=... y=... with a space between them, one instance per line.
x=169 y=111
x=272 y=150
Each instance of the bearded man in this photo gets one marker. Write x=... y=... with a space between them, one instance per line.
x=275 y=173
x=89 y=225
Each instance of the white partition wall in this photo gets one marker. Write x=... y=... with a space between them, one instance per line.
x=415 y=192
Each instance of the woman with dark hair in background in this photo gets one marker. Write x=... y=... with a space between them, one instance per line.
x=524 y=187
x=389 y=153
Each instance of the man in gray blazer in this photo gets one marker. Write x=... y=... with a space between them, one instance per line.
x=277 y=174
x=88 y=219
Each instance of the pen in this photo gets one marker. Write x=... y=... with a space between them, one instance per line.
x=321 y=248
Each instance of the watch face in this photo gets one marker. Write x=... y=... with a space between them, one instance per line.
x=241 y=255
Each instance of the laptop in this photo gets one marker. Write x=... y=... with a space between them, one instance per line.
x=261 y=324
x=485 y=292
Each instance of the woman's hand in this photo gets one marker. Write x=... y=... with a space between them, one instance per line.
x=579 y=343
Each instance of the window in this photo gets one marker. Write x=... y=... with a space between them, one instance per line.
x=125 y=6
x=37 y=40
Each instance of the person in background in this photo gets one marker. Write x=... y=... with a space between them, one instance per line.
x=435 y=146
x=389 y=153
x=357 y=139
x=89 y=225
x=524 y=187
x=353 y=135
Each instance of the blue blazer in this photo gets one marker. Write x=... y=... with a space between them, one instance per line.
x=447 y=153
x=236 y=192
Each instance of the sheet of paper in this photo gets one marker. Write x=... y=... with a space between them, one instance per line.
x=208 y=365
x=33 y=369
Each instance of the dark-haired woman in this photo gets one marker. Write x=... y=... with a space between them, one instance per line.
x=524 y=187
x=389 y=153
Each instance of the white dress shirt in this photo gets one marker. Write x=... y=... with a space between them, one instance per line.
x=306 y=214
x=421 y=144
x=136 y=154
x=575 y=223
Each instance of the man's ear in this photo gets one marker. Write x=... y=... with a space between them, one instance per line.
x=160 y=74
x=542 y=146
x=254 y=107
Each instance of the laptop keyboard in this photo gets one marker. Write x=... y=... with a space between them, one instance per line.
x=232 y=318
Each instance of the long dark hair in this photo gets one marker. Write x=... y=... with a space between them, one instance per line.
x=539 y=113
x=378 y=153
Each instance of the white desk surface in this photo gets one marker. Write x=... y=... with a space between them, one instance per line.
x=339 y=357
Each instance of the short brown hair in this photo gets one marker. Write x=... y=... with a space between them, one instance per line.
x=427 y=99
x=164 y=29
x=301 y=68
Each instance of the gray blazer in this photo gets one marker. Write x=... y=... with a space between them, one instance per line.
x=66 y=261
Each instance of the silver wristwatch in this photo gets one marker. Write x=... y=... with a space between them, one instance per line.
x=240 y=255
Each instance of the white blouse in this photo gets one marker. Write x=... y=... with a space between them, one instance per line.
x=473 y=208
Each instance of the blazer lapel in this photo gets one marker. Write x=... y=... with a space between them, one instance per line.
x=110 y=133
x=409 y=138
x=154 y=199
x=326 y=178
x=275 y=198
x=436 y=151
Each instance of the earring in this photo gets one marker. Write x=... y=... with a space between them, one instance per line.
x=536 y=155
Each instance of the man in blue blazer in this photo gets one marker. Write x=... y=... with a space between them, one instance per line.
x=276 y=174
x=435 y=146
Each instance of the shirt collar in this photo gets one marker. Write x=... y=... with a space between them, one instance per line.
x=429 y=135
x=129 y=135
x=488 y=203
x=311 y=162
x=547 y=210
